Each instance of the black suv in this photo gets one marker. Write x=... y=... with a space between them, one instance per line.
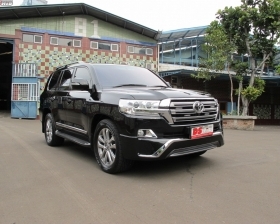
x=126 y=113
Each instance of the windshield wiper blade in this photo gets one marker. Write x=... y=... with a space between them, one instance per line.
x=159 y=86
x=129 y=85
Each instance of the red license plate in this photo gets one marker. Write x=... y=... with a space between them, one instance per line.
x=202 y=131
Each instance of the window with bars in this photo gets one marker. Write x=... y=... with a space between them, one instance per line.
x=25 y=92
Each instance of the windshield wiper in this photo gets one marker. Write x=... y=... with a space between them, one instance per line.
x=159 y=86
x=129 y=85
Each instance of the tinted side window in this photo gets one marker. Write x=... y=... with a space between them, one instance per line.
x=54 y=81
x=65 y=79
x=82 y=73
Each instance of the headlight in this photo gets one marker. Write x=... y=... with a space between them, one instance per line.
x=139 y=107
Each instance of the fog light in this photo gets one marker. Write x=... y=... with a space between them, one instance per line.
x=147 y=133
x=140 y=133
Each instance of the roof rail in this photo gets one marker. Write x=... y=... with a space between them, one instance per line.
x=66 y=66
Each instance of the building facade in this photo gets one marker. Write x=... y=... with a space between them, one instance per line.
x=53 y=35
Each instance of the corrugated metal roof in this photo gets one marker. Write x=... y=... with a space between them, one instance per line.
x=182 y=33
x=19 y=12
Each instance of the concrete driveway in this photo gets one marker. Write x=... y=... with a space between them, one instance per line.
x=237 y=183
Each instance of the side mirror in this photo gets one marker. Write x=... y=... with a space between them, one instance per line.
x=80 y=84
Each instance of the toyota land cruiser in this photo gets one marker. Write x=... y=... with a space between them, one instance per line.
x=127 y=113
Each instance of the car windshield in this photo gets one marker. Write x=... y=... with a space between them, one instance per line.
x=123 y=75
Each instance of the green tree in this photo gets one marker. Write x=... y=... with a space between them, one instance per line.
x=254 y=28
x=219 y=50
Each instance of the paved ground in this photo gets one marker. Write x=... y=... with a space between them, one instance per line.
x=238 y=183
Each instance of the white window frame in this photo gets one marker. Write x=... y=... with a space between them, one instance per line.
x=114 y=45
x=41 y=37
x=128 y=49
x=147 y=49
x=80 y=43
x=56 y=40
x=91 y=42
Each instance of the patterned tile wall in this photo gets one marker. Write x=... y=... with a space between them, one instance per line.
x=49 y=57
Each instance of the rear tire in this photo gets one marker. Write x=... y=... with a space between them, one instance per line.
x=51 y=138
x=107 y=148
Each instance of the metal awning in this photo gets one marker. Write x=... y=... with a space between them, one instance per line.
x=270 y=80
x=180 y=34
x=51 y=10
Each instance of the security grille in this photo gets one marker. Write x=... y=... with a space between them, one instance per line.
x=25 y=92
x=25 y=70
x=182 y=111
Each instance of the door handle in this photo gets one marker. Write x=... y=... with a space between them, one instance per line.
x=52 y=98
x=69 y=101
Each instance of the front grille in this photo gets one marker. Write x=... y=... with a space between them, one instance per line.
x=182 y=111
x=193 y=149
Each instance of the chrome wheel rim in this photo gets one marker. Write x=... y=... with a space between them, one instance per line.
x=106 y=147
x=49 y=131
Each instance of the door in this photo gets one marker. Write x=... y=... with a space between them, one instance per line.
x=76 y=111
x=25 y=91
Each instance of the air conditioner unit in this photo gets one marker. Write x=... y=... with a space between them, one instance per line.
x=150 y=66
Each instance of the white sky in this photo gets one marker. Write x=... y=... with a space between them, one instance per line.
x=159 y=14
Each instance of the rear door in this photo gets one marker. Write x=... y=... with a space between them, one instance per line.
x=62 y=93
x=76 y=110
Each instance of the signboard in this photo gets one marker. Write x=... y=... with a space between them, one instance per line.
x=6 y=2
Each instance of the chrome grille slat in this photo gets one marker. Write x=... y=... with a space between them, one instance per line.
x=193 y=118
x=183 y=111
x=191 y=110
x=178 y=104
x=193 y=149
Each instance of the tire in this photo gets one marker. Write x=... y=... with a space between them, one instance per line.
x=51 y=138
x=107 y=148
x=198 y=153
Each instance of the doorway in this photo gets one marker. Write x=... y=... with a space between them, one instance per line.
x=6 y=70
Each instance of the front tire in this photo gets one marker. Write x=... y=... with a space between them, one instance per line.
x=51 y=138
x=107 y=148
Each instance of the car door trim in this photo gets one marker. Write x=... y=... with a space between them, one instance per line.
x=71 y=128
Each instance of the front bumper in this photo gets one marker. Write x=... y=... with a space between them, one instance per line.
x=154 y=148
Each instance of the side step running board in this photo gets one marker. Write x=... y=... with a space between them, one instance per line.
x=72 y=138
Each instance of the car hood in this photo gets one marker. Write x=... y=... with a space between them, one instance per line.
x=148 y=93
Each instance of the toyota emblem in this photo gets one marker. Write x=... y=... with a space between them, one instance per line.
x=198 y=107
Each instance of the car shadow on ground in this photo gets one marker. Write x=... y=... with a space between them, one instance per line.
x=145 y=168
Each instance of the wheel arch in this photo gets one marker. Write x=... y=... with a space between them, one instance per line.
x=97 y=118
